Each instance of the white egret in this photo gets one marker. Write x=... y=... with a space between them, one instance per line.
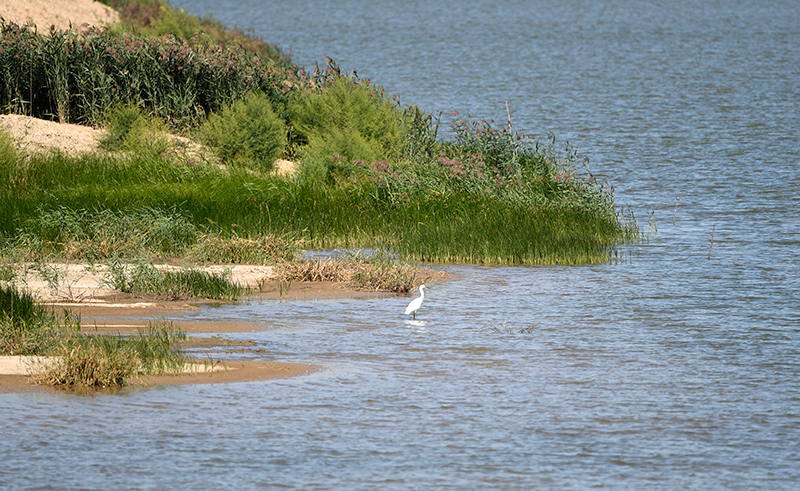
x=417 y=302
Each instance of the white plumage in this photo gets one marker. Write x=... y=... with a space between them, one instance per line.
x=417 y=302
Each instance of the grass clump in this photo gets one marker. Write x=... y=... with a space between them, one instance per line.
x=373 y=274
x=262 y=249
x=111 y=360
x=178 y=284
x=129 y=129
x=247 y=134
x=76 y=359
x=26 y=327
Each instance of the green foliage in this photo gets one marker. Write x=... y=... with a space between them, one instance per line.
x=129 y=129
x=27 y=328
x=77 y=76
x=98 y=361
x=144 y=277
x=246 y=134
x=343 y=122
x=454 y=207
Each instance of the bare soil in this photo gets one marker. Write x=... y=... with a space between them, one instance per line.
x=59 y=13
x=32 y=135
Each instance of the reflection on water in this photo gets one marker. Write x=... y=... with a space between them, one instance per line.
x=666 y=370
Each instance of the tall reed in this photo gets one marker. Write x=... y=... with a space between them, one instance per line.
x=77 y=76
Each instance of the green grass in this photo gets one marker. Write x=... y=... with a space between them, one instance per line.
x=372 y=174
x=26 y=327
x=111 y=360
x=144 y=277
x=99 y=207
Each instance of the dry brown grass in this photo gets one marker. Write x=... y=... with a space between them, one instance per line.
x=360 y=274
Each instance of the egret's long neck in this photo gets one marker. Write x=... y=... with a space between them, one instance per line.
x=421 y=293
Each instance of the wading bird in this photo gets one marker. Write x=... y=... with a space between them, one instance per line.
x=417 y=302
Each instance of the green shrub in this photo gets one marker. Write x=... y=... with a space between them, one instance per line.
x=246 y=134
x=344 y=123
x=129 y=129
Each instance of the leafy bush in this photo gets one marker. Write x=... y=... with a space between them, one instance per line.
x=343 y=122
x=129 y=129
x=247 y=134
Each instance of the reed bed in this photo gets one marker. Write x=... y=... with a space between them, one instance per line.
x=372 y=174
x=77 y=76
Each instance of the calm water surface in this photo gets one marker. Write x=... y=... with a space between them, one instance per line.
x=665 y=370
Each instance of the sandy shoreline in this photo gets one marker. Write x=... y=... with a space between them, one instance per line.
x=83 y=290
x=105 y=311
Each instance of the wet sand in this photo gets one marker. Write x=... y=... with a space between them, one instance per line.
x=128 y=314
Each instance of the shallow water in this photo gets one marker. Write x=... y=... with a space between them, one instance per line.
x=667 y=369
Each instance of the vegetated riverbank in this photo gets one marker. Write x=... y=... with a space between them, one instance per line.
x=370 y=173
